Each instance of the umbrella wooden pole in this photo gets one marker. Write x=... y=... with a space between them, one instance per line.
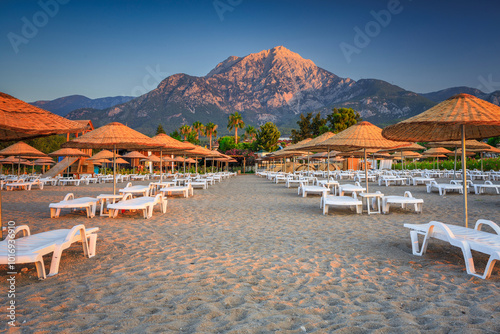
x=481 y=162
x=455 y=165
x=464 y=177
x=184 y=164
x=328 y=163
x=161 y=166
x=366 y=174
x=114 y=170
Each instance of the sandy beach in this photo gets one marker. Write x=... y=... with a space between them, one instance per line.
x=250 y=256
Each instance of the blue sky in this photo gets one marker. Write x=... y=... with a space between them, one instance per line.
x=108 y=48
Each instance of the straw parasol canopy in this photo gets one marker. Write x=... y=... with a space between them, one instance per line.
x=68 y=152
x=22 y=149
x=171 y=145
x=12 y=160
x=363 y=135
x=20 y=120
x=114 y=136
x=152 y=158
x=458 y=151
x=311 y=144
x=104 y=154
x=436 y=150
x=294 y=147
x=470 y=144
x=489 y=149
x=43 y=161
x=444 y=121
x=134 y=155
x=122 y=161
x=460 y=117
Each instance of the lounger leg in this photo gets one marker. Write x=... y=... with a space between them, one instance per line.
x=325 y=209
x=414 y=242
x=40 y=269
x=359 y=209
x=89 y=212
x=56 y=259
x=92 y=244
x=469 y=261
x=489 y=267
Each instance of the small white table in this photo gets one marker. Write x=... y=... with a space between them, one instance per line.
x=365 y=197
x=109 y=198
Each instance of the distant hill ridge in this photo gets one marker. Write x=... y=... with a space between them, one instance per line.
x=272 y=85
x=62 y=106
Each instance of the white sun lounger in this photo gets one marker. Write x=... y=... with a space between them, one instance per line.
x=319 y=190
x=351 y=188
x=70 y=202
x=32 y=248
x=480 y=188
x=421 y=180
x=444 y=187
x=404 y=201
x=145 y=203
x=351 y=201
x=24 y=185
x=199 y=183
x=135 y=190
x=465 y=238
x=184 y=190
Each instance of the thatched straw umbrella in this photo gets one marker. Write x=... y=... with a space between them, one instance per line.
x=20 y=120
x=460 y=117
x=21 y=150
x=69 y=152
x=363 y=135
x=103 y=156
x=436 y=152
x=171 y=146
x=315 y=146
x=134 y=155
x=114 y=136
x=469 y=144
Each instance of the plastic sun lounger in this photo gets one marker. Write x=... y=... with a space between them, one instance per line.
x=404 y=201
x=421 y=180
x=199 y=184
x=70 y=202
x=320 y=190
x=331 y=200
x=24 y=185
x=444 y=187
x=480 y=188
x=32 y=248
x=146 y=204
x=135 y=190
x=184 y=190
x=465 y=238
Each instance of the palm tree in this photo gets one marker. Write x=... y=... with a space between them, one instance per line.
x=185 y=130
x=211 y=130
x=199 y=128
x=235 y=122
x=250 y=132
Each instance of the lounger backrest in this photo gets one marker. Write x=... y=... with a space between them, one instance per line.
x=127 y=196
x=68 y=197
x=128 y=185
x=408 y=194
